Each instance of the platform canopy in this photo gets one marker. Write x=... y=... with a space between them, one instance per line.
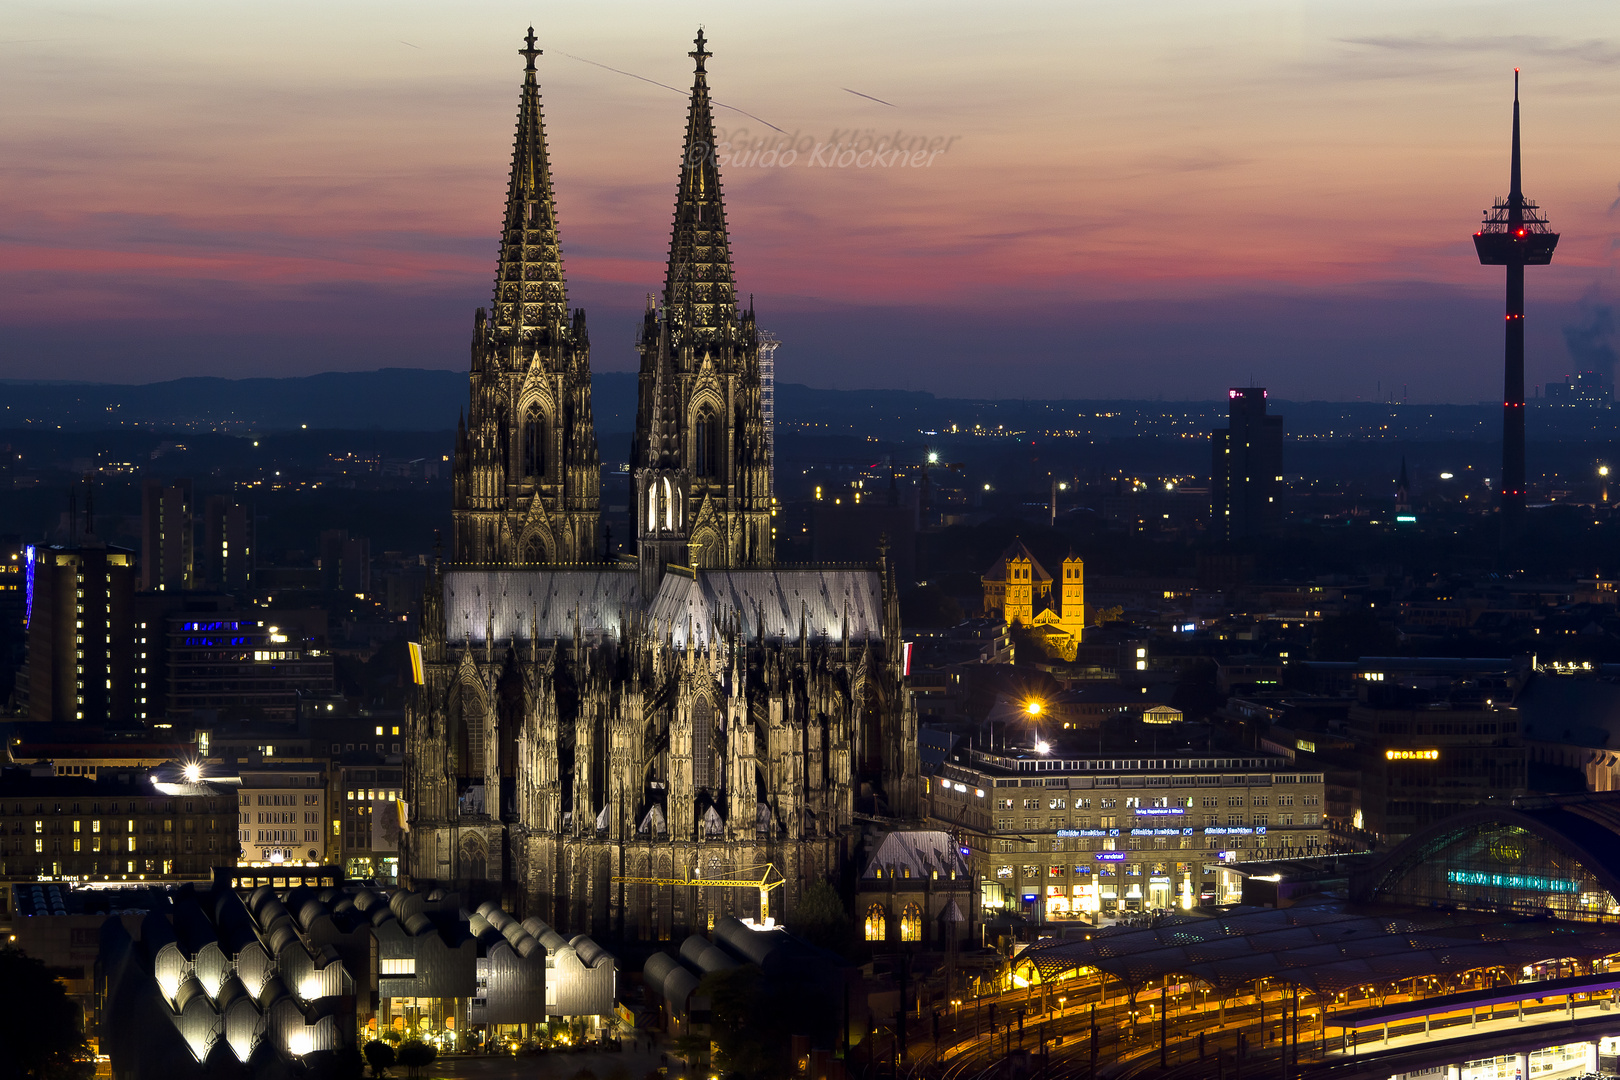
x=1324 y=948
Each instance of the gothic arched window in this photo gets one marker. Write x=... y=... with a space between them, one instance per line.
x=703 y=745
x=534 y=443
x=706 y=445
x=877 y=924
x=672 y=511
x=911 y=923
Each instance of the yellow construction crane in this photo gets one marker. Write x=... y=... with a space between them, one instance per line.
x=762 y=882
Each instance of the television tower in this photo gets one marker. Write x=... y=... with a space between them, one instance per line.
x=1514 y=235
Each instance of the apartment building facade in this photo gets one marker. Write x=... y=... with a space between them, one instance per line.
x=284 y=813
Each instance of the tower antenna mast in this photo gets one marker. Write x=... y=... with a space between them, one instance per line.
x=1514 y=234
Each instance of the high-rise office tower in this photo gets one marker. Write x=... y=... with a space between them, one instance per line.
x=1245 y=472
x=227 y=545
x=345 y=562
x=166 y=536
x=82 y=643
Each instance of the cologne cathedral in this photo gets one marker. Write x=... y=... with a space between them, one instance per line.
x=593 y=730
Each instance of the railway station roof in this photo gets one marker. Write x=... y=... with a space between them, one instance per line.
x=1325 y=947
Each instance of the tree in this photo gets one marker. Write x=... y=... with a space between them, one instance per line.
x=1109 y=614
x=753 y=1020
x=416 y=1055
x=380 y=1056
x=820 y=918
x=345 y=1063
x=41 y=1028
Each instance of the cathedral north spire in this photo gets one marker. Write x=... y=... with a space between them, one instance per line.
x=531 y=293
x=700 y=291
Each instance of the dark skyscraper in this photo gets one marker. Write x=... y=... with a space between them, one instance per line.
x=1245 y=469
x=227 y=544
x=166 y=536
x=1514 y=235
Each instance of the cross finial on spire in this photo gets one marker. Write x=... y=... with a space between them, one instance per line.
x=529 y=52
x=701 y=53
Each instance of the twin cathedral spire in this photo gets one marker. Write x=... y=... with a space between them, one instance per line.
x=527 y=475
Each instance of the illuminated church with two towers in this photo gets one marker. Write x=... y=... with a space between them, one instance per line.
x=589 y=728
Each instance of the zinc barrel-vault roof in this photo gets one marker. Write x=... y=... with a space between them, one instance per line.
x=1322 y=948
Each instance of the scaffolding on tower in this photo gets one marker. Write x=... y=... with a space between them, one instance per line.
x=767 y=394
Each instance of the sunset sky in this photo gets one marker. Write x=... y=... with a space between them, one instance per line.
x=1138 y=200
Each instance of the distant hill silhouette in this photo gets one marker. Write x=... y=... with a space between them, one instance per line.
x=413 y=399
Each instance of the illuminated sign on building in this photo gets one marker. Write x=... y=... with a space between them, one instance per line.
x=1528 y=882
x=1110 y=856
x=1159 y=811
x=1411 y=755
x=29 y=558
x=1070 y=833
x=1235 y=830
x=1161 y=832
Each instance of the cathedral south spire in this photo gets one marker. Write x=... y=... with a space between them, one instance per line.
x=700 y=290
x=701 y=459
x=527 y=482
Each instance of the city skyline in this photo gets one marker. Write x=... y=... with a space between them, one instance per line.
x=361 y=144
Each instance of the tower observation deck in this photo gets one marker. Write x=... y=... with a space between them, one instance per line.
x=1514 y=234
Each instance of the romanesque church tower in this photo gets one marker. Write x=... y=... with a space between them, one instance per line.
x=527 y=477
x=701 y=461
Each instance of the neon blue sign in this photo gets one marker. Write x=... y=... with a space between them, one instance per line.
x=1528 y=882
x=28 y=571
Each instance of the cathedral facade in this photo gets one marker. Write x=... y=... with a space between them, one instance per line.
x=590 y=732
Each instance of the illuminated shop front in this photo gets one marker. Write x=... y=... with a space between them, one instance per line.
x=1537 y=857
